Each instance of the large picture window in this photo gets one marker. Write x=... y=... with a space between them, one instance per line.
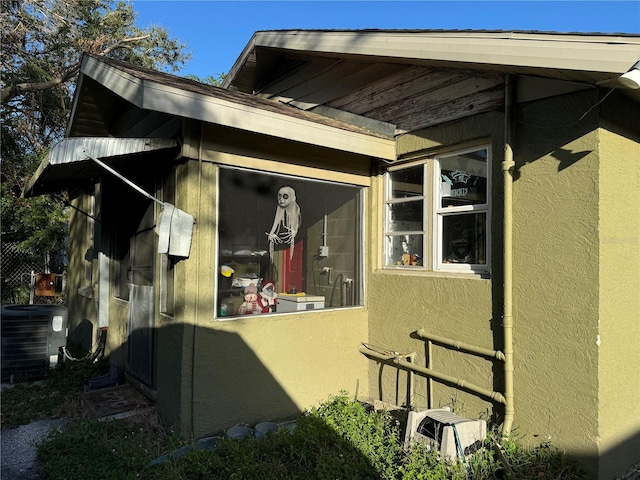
x=437 y=213
x=286 y=244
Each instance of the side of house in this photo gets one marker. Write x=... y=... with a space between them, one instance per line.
x=398 y=196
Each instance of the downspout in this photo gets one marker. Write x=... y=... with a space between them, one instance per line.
x=507 y=319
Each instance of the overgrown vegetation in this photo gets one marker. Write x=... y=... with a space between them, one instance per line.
x=56 y=396
x=340 y=439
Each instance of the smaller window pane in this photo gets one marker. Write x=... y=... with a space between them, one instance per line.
x=463 y=179
x=404 y=250
x=405 y=216
x=408 y=182
x=464 y=238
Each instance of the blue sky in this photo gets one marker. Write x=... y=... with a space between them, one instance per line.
x=217 y=31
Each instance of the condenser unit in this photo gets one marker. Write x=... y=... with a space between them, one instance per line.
x=31 y=339
x=452 y=435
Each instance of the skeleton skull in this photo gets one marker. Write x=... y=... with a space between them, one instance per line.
x=284 y=197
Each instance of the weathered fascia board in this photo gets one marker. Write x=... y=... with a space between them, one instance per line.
x=591 y=53
x=447 y=111
x=162 y=98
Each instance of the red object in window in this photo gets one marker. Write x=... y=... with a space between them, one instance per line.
x=292 y=269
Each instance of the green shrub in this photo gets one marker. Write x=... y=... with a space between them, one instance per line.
x=339 y=439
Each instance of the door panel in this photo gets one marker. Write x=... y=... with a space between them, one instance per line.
x=140 y=351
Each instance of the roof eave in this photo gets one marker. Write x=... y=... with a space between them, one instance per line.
x=609 y=54
x=155 y=96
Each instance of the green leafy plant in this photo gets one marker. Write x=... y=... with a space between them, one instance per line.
x=340 y=438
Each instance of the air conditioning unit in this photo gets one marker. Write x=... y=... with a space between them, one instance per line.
x=31 y=339
x=452 y=435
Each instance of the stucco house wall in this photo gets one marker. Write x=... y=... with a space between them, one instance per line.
x=567 y=299
x=556 y=272
x=457 y=306
x=619 y=287
x=576 y=271
x=246 y=370
x=80 y=300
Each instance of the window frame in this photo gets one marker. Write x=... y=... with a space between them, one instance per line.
x=357 y=283
x=434 y=215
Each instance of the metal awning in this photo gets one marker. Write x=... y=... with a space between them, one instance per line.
x=67 y=163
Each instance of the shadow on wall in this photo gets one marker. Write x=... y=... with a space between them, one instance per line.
x=233 y=386
x=621 y=462
x=83 y=334
x=617 y=462
x=228 y=384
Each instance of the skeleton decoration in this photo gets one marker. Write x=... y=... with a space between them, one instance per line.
x=286 y=221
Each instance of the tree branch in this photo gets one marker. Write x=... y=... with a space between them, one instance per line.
x=13 y=91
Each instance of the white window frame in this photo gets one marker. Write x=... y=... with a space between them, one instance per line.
x=434 y=214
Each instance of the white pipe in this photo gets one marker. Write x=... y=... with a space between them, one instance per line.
x=120 y=176
x=508 y=165
x=427 y=372
x=463 y=347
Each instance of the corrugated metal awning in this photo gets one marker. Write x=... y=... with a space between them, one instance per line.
x=67 y=163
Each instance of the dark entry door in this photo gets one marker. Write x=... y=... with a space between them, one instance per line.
x=140 y=345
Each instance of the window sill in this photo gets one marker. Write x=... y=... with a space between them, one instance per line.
x=430 y=273
x=277 y=315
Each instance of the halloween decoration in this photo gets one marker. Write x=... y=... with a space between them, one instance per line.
x=286 y=221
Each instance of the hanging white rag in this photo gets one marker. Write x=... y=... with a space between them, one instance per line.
x=175 y=231
x=164 y=227
x=181 y=232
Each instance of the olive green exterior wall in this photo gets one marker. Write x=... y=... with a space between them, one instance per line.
x=619 y=288
x=458 y=306
x=81 y=304
x=246 y=370
x=576 y=330
x=556 y=273
x=252 y=370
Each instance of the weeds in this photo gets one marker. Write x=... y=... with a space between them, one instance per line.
x=339 y=439
x=343 y=439
x=54 y=397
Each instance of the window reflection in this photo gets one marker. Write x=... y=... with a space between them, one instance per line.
x=278 y=254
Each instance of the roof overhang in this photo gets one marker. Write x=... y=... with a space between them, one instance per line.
x=67 y=164
x=148 y=94
x=592 y=58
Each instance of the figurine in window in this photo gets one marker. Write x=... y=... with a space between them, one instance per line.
x=406 y=256
x=269 y=295
x=253 y=303
x=286 y=222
